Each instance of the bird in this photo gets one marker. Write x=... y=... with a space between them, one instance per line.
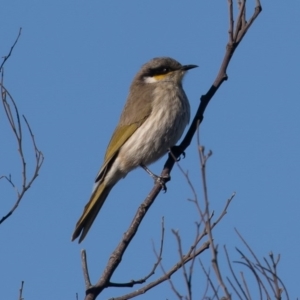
x=153 y=119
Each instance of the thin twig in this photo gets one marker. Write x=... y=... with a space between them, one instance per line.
x=207 y=274
x=178 y=295
x=233 y=274
x=21 y=291
x=185 y=276
x=85 y=270
x=234 y=288
x=214 y=252
x=5 y=58
x=245 y=285
x=156 y=264
x=231 y=21
x=275 y=277
x=166 y=276
x=206 y=286
x=254 y=256
x=251 y=266
x=15 y=124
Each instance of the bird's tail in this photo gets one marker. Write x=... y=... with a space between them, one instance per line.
x=91 y=210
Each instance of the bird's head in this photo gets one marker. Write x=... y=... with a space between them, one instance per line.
x=162 y=69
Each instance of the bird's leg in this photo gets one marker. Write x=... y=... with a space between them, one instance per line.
x=160 y=179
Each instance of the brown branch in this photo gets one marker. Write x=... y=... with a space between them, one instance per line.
x=178 y=295
x=176 y=151
x=85 y=270
x=189 y=256
x=15 y=124
x=213 y=248
x=156 y=264
x=116 y=256
x=167 y=274
x=205 y=99
x=278 y=291
x=187 y=279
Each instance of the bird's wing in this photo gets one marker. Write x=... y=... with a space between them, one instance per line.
x=121 y=134
x=119 y=137
x=134 y=114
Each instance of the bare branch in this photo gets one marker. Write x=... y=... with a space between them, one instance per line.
x=251 y=266
x=231 y=21
x=246 y=286
x=5 y=58
x=174 y=154
x=156 y=264
x=21 y=291
x=206 y=287
x=261 y=273
x=15 y=124
x=187 y=280
x=85 y=270
x=234 y=288
x=203 y=160
x=207 y=274
x=274 y=273
x=234 y=276
x=166 y=276
x=178 y=295
x=254 y=256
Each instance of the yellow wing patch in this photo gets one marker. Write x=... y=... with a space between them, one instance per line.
x=119 y=138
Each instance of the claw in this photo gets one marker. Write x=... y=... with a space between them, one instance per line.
x=177 y=152
x=162 y=181
x=183 y=156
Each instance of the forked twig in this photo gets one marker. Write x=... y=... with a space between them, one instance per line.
x=156 y=264
x=234 y=276
x=207 y=274
x=261 y=273
x=166 y=276
x=13 y=117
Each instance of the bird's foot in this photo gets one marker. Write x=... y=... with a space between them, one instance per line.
x=162 y=180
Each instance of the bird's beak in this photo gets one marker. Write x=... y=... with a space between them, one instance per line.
x=188 y=67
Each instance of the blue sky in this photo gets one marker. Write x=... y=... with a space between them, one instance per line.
x=70 y=74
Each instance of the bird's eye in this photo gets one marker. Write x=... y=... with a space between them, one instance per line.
x=159 y=71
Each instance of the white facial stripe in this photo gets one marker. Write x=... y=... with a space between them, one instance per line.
x=149 y=79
